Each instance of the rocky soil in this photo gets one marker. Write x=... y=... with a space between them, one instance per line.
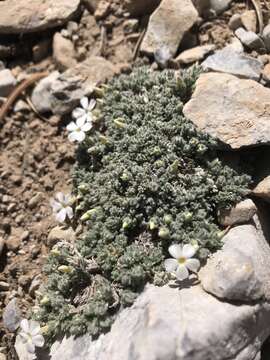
x=74 y=46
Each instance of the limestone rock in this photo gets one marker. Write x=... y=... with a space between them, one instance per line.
x=169 y=323
x=7 y=81
x=141 y=7
x=60 y=233
x=42 y=92
x=195 y=54
x=241 y=213
x=167 y=26
x=79 y=81
x=236 y=111
x=240 y=271
x=12 y=315
x=25 y=16
x=249 y=20
x=262 y=190
x=219 y=5
x=233 y=62
x=63 y=52
x=250 y=39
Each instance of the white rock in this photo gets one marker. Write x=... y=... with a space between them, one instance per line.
x=169 y=323
x=219 y=5
x=25 y=16
x=195 y=54
x=234 y=62
x=236 y=111
x=241 y=213
x=12 y=315
x=250 y=39
x=240 y=271
x=79 y=81
x=42 y=92
x=167 y=26
x=60 y=233
x=7 y=82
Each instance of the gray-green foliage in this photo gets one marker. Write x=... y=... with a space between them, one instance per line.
x=149 y=179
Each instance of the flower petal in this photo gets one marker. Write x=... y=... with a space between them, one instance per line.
x=188 y=251
x=92 y=104
x=181 y=272
x=61 y=215
x=69 y=212
x=193 y=265
x=84 y=102
x=81 y=121
x=175 y=250
x=30 y=346
x=38 y=340
x=60 y=197
x=23 y=337
x=79 y=136
x=72 y=126
x=87 y=126
x=170 y=265
x=89 y=118
x=34 y=327
x=72 y=136
x=56 y=206
x=24 y=324
x=78 y=112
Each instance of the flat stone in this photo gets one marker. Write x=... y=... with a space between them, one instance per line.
x=262 y=190
x=12 y=315
x=266 y=37
x=7 y=81
x=232 y=62
x=250 y=39
x=67 y=90
x=63 y=52
x=240 y=271
x=140 y=7
x=167 y=323
x=236 y=111
x=241 y=213
x=249 y=20
x=167 y=26
x=26 y=16
x=195 y=54
x=42 y=92
x=219 y=5
x=60 y=233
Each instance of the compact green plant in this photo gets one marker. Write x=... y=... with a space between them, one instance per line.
x=145 y=178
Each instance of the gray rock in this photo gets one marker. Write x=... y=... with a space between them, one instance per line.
x=42 y=92
x=171 y=324
x=35 y=200
x=262 y=190
x=249 y=20
x=235 y=22
x=250 y=39
x=236 y=111
x=25 y=16
x=73 y=84
x=61 y=233
x=266 y=37
x=195 y=54
x=12 y=316
x=219 y=5
x=229 y=61
x=167 y=26
x=7 y=82
x=241 y=213
x=240 y=271
x=63 y=52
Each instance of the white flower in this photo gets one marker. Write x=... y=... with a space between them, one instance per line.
x=84 y=112
x=61 y=207
x=31 y=335
x=182 y=263
x=78 y=129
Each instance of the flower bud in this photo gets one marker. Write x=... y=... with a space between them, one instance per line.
x=65 y=269
x=164 y=233
x=99 y=92
x=167 y=219
x=188 y=216
x=152 y=224
x=45 y=300
x=126 y=223
x=88 y=214
x=83 y=188
x=55 y=252
x=119 y=123
x=103 y=139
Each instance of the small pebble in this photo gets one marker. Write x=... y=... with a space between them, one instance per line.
x=35 y=200
x=4 y=286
